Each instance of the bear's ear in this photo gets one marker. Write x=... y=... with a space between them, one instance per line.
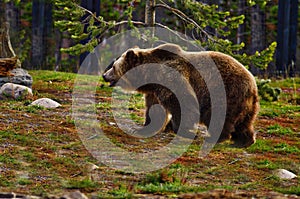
x=130 y=55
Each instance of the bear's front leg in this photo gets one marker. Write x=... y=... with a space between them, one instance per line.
x=183 y=116
x=150 y=100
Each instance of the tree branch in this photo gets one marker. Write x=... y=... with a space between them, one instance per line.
x=184 y=17
x=91 y=14
x=174 y=32
x=119 y=24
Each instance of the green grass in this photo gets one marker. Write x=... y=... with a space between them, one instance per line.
x=261 y=146
x=167 y=181
x=286 y=148
x=279 y=130
x=23 y=140
x=277 y=109
x=167 y=188
x=267 y=164
x=268 y=146
x=10 y=161
x=46 y=76
x=28 y=156
x=295 y=190
x=4 y=182
x=287 y=83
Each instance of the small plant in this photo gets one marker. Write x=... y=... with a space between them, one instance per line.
x=267 y=92
x=170 y=180
x=33 y=108
x=24 y=181
x=121 y=192
x=85 y=185
x=295 y=98
x=70 y=120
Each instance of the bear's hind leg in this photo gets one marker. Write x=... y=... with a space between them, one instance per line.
x=244 y=134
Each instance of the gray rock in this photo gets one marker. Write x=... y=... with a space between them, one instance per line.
x=74 y=195
x=46 y=103
x=284 y=174
x=13 y=195
x=20 y=76
x=7 y=195
x=14 y=91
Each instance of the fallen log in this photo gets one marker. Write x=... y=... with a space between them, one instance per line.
x=8 y=58
x=6 y=65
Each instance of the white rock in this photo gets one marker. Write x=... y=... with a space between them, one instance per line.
x=284 y=174
x=46 y=103
x=14 y=91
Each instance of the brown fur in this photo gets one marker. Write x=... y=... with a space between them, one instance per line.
x=240 y=87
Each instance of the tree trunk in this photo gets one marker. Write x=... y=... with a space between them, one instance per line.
x=8 y=59
x=150 y=13
x=38 y=42
x=293 y=38
x=242 y=27
x=287 y=37
x=13 y=18
x=2 y=12
x=41 y=29
x=257 y=33
x=283 y=36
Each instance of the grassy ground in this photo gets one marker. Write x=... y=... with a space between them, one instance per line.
x=41 y=152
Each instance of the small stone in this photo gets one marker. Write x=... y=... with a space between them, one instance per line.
x=15 y=91
x=91 y=167
x=284 y=174
x=46 y=103
x=75 y=195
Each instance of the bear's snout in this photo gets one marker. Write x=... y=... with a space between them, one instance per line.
x=108 y=76
x=104 y=77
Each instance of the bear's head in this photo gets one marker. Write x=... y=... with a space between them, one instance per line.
x=118 y=67
x=135 y=56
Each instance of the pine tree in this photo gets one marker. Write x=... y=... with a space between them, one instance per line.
x=195 y=16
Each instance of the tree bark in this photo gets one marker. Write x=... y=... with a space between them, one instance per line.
x=150 y=13
x=8 y=58
x=41 y=29
x=257 y=33
x=242 y=27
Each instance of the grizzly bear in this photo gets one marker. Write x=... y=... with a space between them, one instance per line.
x=241 y=95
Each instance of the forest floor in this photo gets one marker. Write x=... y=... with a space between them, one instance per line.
x=41 y=152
